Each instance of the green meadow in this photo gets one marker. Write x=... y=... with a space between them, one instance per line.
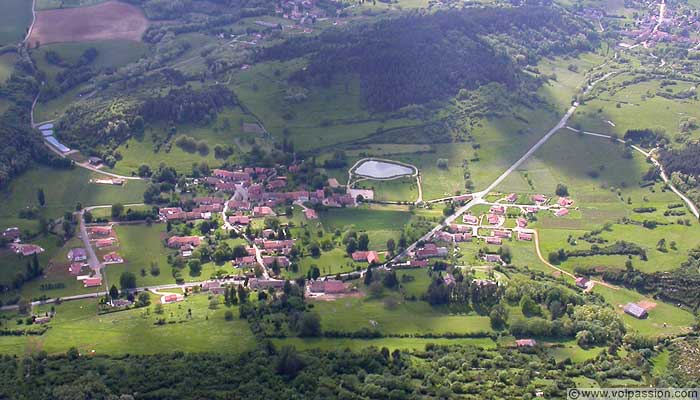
x=77 y=324
x=14 y=20
x=406 y=317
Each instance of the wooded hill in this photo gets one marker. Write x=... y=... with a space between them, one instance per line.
x=419 y=57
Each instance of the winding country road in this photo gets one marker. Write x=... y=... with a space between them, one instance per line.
x=647 y=154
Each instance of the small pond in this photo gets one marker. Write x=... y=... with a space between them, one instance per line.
x=382 y=169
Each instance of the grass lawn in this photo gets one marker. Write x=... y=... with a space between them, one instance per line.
x=402 y=189
x=353 y=314
x=142 y=246
x=677 y=320
x=390 y=343
x=574 y=352
x=134 y=331
x=379 y=222
x=63 y=190
x=14 y=20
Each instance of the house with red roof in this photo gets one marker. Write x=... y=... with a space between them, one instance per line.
x=511 y=198
x=112 y=258
x=176 y=242
x=263 y=211
x=539 y=199
x=521 y=222
x=497 y=209
x=75 y=268
x=493 y=219
x=330 y=286
x=494 y=240
x=369 y=256
x=310 y=214
x=562 y=212
x=247 y=261
x=102 y=231
x=171 y=298
x=102 y=243
x=431 y=250
x=531 y=210
x=582 y=282
x=502 y=233
x=333 y=183
x=239 y=205
x=526 y=343
x=565 y=202
x=282 y=261
x=239 y=220
x=470 y=219
x=524 y=236
x=93 y=281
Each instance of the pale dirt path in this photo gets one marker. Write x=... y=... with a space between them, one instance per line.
x=648 y=154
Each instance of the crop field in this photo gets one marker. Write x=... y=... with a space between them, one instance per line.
x=134 y=331
x=352 y=314
x=105 y=21
x=14 y=21
x=328 y=115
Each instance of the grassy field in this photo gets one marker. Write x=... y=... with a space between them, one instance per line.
x=390 y=343
x=77 y=324
x=14 y=20
x=52 y=4
x=379 y=222
x=677 y=320
x=63 y=190
x=226 y=130
x=133 y=239
x=353 y=314
x=402 y=189
x=328 y=116
x=7 y=64
x=111 y=54
x=639 y=107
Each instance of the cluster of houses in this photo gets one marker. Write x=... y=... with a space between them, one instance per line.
x=205 y=207
x=13 y=236
x=103 y=237
x=78 y=267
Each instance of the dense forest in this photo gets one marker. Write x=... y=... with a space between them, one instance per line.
x=420 y=57
x=21 y=145
x=283 y=373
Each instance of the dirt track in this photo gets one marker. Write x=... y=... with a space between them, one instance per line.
x=110 y=20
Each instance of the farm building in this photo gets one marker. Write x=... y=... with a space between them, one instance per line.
x=11 y=233
x=93 y=281
x=511 y=198
x=470 y=219
x=180 y=241
x=635 y=310
x=562 y=212
x=524 y=236
x=565 y=202
x=494 y=240
x=369 y=256
x=526 y=342
x=256 y=283
x=582 y=282
x=539 y=199
x=26 y=249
